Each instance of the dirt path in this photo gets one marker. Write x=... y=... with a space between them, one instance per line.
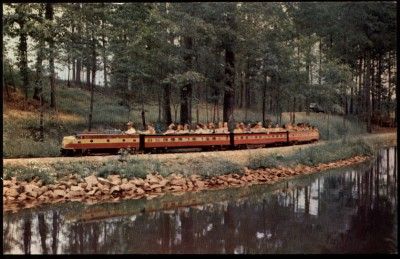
x=238 y=156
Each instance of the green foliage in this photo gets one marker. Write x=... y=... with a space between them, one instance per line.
x=133 y=167
x=29 y=173
x=271 y=161
x=315 y=155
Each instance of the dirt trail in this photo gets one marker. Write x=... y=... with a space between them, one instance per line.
x=238 y=156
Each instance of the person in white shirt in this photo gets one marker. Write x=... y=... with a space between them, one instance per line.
x=171 y=129
x=131 y=129
x=150 y=130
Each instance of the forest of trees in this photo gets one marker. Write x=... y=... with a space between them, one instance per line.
x=270 y=57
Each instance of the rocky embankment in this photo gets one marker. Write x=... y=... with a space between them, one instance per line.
x=92 y=189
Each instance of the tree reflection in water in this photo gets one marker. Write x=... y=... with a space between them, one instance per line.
x=347 y=211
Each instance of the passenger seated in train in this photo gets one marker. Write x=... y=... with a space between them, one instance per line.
x=222 y=127
x=130 y=128
x=248 y=127
x=200 y=129
x=171 y=129
x=288 y=126
x=226 y=127
x=258 y=128
x=206 y=129
x=211 y=127
x=185 y=129
x=238 y=128
x=278 y=128
x=150 y=130
x=179 y=129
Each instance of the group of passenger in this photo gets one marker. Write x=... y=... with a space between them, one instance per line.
x=221 y=127
x=300 y=127
x=131 y=130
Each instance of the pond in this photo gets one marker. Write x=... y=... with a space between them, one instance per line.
x=347 y=210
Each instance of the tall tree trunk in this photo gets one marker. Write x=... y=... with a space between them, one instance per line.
x=91 y=106
x=41 y=120
x=143 y=112
x=206 y=89
x=368 y=93
x=186 y=90
x=38 y=81
x=247 y=88
x=379 y=86
x=78 y=72
x=69 y=72
x=241 y=95
x=198 y=102
x=294 y=111
x=73 y=70
x=264 y=99
x=389 y=87
x=5 y=87
x=73 y=58
x=308 y=79
x=79 y=58
x=12 y=77
x=184 y=115
x=23 y=56
x=39 y=87
x=373 y=91
x=105 y=62
x=293 y=120
x=360 y=87
x=320 y=62
x=49 y=16
x=88 y=77
x=92 y=84
x=167 y=104
x=159 y=105
x=229 y=94
x=351 y=110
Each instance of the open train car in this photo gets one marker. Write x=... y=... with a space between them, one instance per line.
x=213 y=140
x=111 y=143
x=260 y=139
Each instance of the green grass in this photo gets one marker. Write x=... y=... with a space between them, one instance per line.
x=29 y=173
x=315 y=155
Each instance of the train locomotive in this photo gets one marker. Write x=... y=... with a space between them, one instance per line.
x=89 y=143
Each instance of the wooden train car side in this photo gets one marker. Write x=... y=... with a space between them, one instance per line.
x=93 y=142
x=260 y=138
x=186 y=140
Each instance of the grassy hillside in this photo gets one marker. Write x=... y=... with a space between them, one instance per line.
x=21 y=121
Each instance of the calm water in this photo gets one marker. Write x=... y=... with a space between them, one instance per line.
x=351 y=210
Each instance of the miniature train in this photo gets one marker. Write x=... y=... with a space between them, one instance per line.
x=86 y=143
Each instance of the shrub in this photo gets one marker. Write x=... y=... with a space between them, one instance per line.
x=314 y=155
x=29 y=173
x=269 y=161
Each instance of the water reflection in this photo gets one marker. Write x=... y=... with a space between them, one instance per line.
x=345 y=211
